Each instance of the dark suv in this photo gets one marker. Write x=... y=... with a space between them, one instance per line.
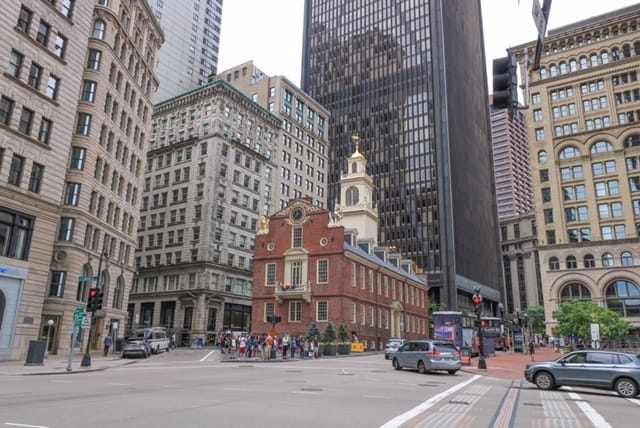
x=427 y=355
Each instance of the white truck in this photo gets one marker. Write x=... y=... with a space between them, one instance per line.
x=156 y=338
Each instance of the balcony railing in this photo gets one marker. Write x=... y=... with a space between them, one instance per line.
x=293 y=292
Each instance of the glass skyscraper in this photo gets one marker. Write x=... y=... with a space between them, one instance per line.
x=408 y=77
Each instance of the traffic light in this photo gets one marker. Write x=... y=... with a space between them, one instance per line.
x=505 y=83
x=91 y=302
x=483 y=323
x=98 y=305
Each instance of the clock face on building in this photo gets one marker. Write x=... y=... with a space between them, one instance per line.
x=297 y=214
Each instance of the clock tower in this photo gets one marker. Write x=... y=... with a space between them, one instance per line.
x=356 y=196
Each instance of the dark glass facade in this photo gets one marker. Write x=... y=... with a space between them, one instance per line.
x=408 y=77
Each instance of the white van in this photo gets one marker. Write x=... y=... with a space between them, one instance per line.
x=156 y=338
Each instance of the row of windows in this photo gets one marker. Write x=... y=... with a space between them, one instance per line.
x=621 y=296
x=599 y=147
x=57 y=285
x=26 y=121
x=589 y=261
x=17 y=172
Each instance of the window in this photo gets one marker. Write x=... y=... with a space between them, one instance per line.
x=34 y=76
x=24 y=19
x=589 y=261
x=16 y=169
x=67 y=7
x=84 y=124
x=52 y=87
x=569 y=152
x=15 y=234
x=270 y=274
x=607 y=260
x=295 y=311
x=574 y=291
x=26 y=121
x=622 y=297
x=42 y=36
x=297 y=237
x=626 y=258
x=93 y=62
x=59 y=48
x=572 y=262
x=72 y=194
x=35 y=180
x=88 y=91
x=323 y=271
x=6 y=108
x=99 y=28
x=44 y=134
x=322 y=311
x=554 y=263
x=15 y=63
x=66 y=229
x=78 y=155
x=56 y=284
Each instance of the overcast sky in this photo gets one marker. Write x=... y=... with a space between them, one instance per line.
x=274 y=39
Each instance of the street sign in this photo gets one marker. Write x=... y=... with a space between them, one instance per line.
x=86 y=322
x=78 y=314
x=88 y=278
x=539 y=19
x=595 y=331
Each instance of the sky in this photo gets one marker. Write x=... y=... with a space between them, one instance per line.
x=274 y=41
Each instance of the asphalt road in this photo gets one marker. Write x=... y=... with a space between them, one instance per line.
x=190 y=388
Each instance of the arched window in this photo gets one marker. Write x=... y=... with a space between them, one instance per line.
x=542 y=156
x=569 y=152
x=623 y=297
x=626 y=51
x=352 y=196
x=573 y=65
x=572 y=263
x=354 y=168
x=583 y=63
x=563 y=68
x=601 y=147
x=574 y=291
x=636 y=48
x=99 y=28
x=554 y=263
x=632 y=141
x=83 y=286
x=607 y=259
x=604 y=56
x=615 y=54
x=543 y=73
x=104 y=284
x=626 y=258
x=589 y=261
x=117 y=293
x=594 y=60
x=553 y=70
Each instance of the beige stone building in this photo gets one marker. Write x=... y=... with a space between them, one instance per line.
x=303 y=151
x=76 y=88
x=584 y=133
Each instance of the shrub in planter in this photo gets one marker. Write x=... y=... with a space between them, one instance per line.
x=344 y=345
x=329 y=340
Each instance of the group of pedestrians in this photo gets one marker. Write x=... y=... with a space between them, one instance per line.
x=268 y=347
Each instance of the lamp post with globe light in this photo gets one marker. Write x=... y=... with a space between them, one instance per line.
x=46 y=350
x=477 y=301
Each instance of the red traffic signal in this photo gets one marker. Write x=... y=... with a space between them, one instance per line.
x=477 y=299
x=93 y=297
x=483 y=323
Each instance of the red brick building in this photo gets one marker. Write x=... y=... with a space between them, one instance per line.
x=311 y=265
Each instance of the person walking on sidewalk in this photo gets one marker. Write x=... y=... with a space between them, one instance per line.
x=532 y=348
x=107 y=344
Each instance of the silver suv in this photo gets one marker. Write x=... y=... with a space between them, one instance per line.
x=391 y=347
x=427 y=355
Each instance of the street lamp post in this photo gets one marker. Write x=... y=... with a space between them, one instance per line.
x=477 y=301
x=46 y=350
x=502 y=325
x=526 y=326
x=86 y=358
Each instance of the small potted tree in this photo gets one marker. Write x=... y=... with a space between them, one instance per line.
x=344 y=344
x=329 y=340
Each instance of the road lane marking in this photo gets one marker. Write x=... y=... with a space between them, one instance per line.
x=23 y=425
x=399 y=420
x=595 y=417
x=634 y=401
x=505 y=416
x=206 y=356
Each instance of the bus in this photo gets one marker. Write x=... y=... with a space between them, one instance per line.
x=457 y=328
x=492 y=334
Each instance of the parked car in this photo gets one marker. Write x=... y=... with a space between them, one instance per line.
x=615 y=371
x=391 y=347
x=427 y=355
x=136 y=347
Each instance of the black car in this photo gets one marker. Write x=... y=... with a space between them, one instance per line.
x=615 y=371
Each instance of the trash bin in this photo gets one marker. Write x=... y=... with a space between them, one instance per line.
x=465 y=355
x=35 y=354
x=200 y=343
x=119 y=344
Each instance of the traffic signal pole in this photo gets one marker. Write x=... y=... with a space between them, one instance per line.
x=477 y=301
x=86 y=358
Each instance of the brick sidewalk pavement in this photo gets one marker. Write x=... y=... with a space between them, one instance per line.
x=510 y=365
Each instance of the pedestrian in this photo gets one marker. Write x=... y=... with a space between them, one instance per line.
x=532 y=348
x=107 y=345
x=172 y=343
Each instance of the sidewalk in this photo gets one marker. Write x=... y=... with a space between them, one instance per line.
x=57 y=364
x=510 y=365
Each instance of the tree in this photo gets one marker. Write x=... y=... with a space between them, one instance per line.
x=536 y=318
x=329 y=335
x=575 y=318
x=343 y=334
x=313 y=331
